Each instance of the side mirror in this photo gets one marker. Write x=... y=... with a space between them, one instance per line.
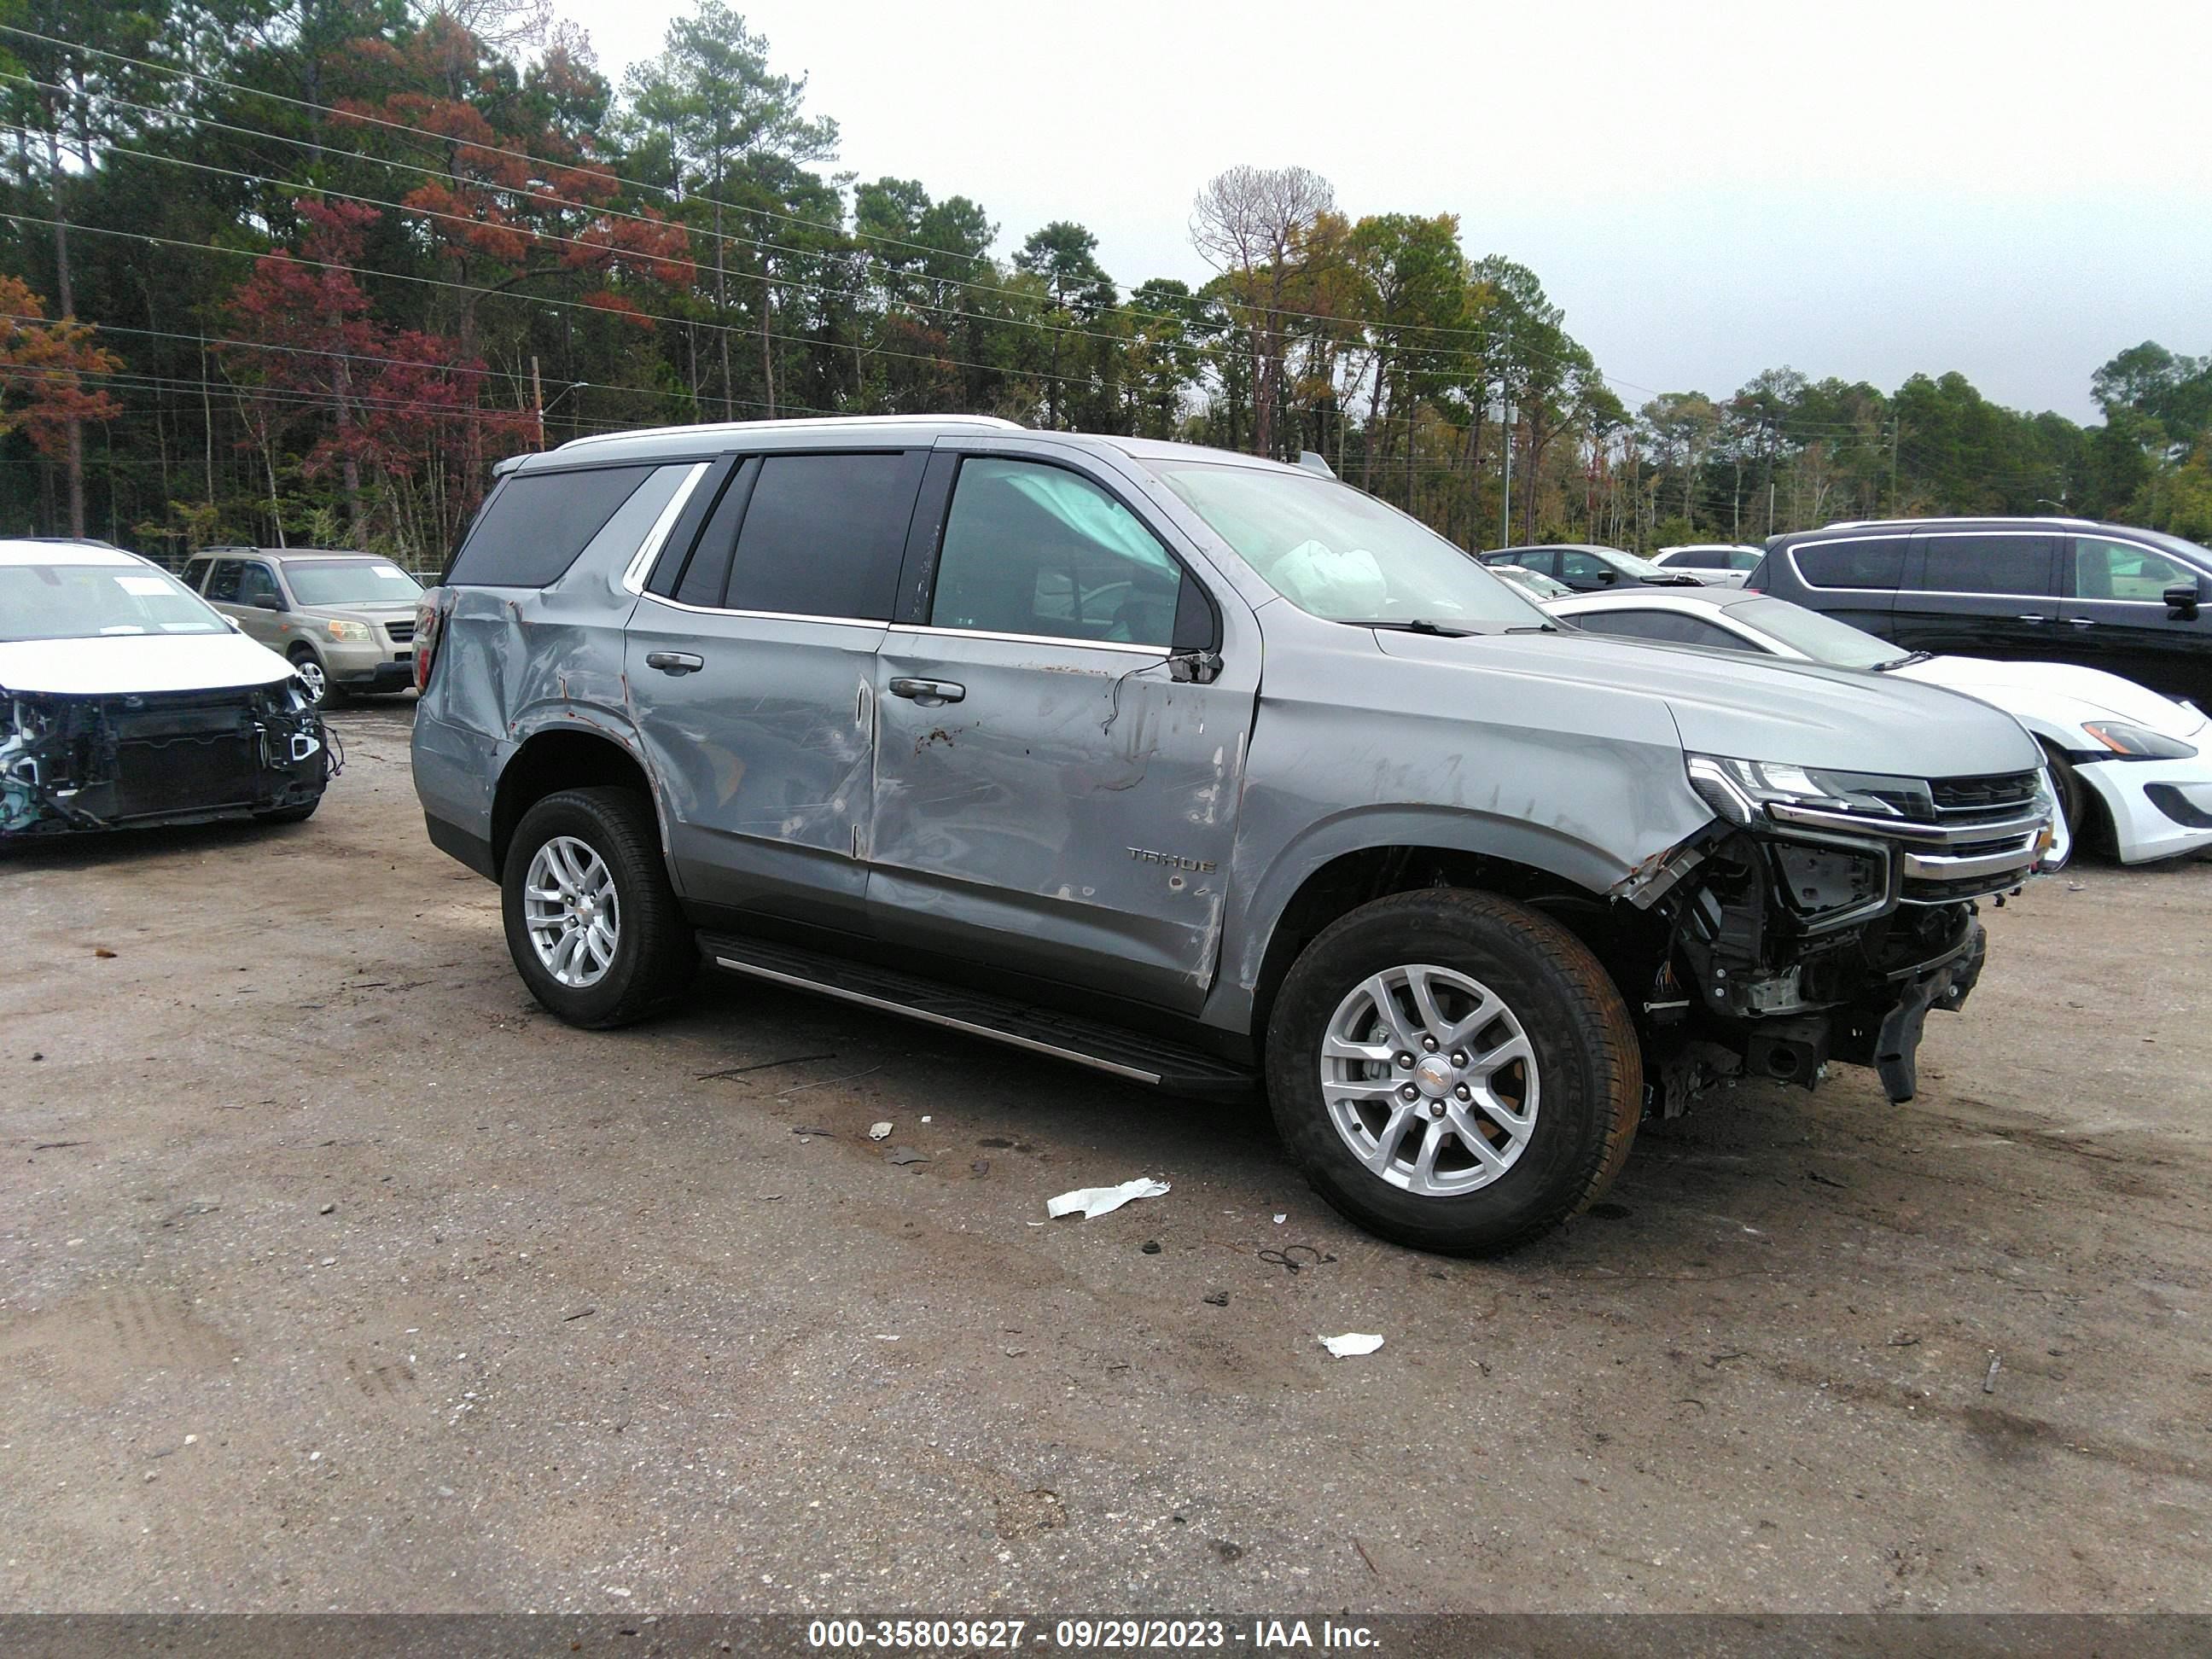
x=2181 y=601
x=267 y=602
x=1607 y=578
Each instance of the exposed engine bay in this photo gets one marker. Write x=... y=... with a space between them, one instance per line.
x=1790 y=939
x=70 y=763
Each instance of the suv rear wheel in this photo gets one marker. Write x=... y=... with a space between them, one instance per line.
x=1454 y=1071
x=591 y=921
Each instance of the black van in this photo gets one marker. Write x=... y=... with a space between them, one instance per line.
x=2055 y=590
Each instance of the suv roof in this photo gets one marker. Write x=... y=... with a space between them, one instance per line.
x=676 y=443
x=284 y=552
x=1998 y=520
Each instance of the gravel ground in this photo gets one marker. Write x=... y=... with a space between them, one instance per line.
x=340 y=1277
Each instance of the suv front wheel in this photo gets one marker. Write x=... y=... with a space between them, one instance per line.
x=1454 y=1071
x=591 y=921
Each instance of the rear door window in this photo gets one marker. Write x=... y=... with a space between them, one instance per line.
x=2011 y=565
x=823 y=535
x=222 y=584
x=1877 y=563
x=531 y=531
x=1697 y=558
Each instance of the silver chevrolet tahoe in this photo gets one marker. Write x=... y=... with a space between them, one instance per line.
x=1200 y=770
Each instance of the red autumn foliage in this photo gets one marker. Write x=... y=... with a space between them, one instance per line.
x=42 y=369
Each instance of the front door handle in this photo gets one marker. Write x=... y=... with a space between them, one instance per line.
x=674 y=662
x=929 y=690
x=2035 y=619
x=2080 y=621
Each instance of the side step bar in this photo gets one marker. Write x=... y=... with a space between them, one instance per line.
x=1173 y=1066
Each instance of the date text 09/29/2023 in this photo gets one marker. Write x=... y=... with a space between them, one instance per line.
x=1090 y=1635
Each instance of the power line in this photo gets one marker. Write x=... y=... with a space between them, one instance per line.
x=665 y=191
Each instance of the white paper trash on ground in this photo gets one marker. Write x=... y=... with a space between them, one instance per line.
x=1098 y=1201
x=1352 y=1342
x=880 y=1131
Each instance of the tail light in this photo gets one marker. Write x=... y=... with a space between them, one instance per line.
x=428 y=615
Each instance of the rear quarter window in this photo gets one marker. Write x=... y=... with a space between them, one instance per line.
x=533 y=529
x=1878 y=563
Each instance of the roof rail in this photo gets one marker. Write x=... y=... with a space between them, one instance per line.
x=1961 y=518
x=836 y=422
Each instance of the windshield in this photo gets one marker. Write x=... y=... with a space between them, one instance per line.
x=1821 y=638
x=350 y=581
x=1344 y=556
x=1634 y=565
x=1541 y=586
x=85 y=601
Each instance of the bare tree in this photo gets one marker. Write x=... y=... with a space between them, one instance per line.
x=1249 y=223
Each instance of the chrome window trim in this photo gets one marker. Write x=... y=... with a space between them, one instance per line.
x=1160 y=651
x=648 y=551
x=768 y=616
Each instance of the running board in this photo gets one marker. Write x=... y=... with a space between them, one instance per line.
x=1173 y=1066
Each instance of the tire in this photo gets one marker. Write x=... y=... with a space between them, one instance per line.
x=2073 y=803
x=651 y=955
x=1550 y=994
x=322 y=692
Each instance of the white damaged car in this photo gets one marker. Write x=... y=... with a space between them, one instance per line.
x=2121 y=759
x=126 y=701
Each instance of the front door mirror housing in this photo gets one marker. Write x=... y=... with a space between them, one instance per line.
x=2182 y=600
x=267 y=602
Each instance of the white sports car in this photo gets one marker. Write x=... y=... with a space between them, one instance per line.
x=2123 y=759
x=125 y=702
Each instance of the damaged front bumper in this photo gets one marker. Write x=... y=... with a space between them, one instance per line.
x=1795 y=937
x=74 y=764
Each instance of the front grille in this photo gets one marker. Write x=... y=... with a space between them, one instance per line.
x=401 y=633
x=1970 y=800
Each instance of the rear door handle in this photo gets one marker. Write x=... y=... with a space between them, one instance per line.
x=929 y=690
x=2080 y=621
x=674 y=662
x=2035 y=619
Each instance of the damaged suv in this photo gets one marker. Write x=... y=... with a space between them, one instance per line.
x=125 y=702
x=1199 y=770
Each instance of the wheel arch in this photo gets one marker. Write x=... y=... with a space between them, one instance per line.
x=572 y=756
x=1339 y=865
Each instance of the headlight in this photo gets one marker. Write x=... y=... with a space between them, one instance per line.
x=2137 y=743
x=1737 y=789
x=350 y=630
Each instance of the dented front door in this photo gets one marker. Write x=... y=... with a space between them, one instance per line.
x=1054 y=804
x=1070 y=816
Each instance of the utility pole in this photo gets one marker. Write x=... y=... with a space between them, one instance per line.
x=1506 y=436
x=538 y=393
x=1770 y=507
x=1893 y=424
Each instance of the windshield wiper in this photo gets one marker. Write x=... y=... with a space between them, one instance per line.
x=1905 y=661
x=1533 y=628
x=1422 y=625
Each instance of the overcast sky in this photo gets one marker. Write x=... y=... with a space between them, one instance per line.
x=2014 y=191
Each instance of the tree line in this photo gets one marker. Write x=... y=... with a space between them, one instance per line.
x=298 y=271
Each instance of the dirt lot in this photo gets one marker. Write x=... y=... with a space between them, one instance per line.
x=339 y=1277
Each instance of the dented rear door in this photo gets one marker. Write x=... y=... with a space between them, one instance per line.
x=751 y=681
x=1054 y=794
